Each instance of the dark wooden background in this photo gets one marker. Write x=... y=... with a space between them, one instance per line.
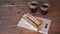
x=9 y=16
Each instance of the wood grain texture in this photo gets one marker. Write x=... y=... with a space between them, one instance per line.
x=11 y=16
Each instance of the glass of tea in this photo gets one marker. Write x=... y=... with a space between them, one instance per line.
x=44 y=8
x=33 y=6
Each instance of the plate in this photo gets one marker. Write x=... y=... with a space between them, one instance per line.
x=43 y=29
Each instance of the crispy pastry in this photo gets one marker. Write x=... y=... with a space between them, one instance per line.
x=36 y=21
x=28 y=22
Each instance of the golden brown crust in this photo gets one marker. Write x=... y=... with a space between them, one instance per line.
x=36 y=21
x=26 y=20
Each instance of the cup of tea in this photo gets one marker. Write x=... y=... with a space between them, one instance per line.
x=33 y=6
x=44 y=8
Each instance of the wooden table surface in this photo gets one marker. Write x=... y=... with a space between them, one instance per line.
x=9 y=17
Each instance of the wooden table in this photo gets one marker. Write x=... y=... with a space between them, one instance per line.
x=9 y=17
